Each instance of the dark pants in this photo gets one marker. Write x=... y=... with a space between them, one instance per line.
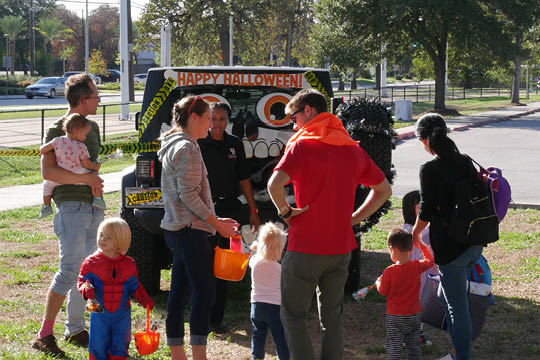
x=192 y=269
x=263 y=317
x=227 y=208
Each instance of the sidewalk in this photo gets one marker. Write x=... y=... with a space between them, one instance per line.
x=29 y=195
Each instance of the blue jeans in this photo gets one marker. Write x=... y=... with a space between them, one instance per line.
x=75 y=225
x=192 y=269
x=453 y=296
x=264 y=316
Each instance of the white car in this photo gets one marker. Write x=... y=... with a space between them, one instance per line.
x=139 y=78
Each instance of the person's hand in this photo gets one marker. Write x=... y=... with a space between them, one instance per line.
x=296 y=212
x=227 y=227
x=93 y=180
x=98 y=166
x=88 y=291
x=254 y=221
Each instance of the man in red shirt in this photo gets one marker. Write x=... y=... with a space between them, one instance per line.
x=325 y=167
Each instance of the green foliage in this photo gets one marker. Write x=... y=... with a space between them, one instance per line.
x=96 y=63
x=422 y=66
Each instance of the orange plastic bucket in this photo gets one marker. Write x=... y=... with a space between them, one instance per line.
x=146 y=342
x=230 y=265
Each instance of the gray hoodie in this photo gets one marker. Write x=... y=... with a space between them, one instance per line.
x=184 y=184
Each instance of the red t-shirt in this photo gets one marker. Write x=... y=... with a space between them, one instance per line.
x=325 y=177
x=400 y=283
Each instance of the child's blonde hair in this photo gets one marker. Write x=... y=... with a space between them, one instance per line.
x=74 y=121
x=270 y=241
x=118 y=230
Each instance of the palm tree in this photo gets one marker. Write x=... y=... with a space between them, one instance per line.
x=51 y=29
x=12 y=26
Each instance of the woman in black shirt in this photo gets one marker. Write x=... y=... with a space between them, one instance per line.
x=454 y=260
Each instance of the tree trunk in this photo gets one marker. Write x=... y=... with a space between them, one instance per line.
x=12 y=52
x=514 y=97
x=224 y=42
x=353 y=80
x=288 y=44
x=378 y=76
x=341 y=84
x=516 y=81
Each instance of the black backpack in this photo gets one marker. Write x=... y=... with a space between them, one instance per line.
x=473 y=220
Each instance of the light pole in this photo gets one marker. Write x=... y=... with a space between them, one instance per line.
x=63 y=56
x=8 y=63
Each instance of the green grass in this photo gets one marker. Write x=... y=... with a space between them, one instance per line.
x=513 y=241
x=25 y=170
x=20 y=236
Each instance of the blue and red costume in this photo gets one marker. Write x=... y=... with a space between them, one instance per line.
x=115 y=280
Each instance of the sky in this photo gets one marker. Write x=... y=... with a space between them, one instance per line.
x=78 y=6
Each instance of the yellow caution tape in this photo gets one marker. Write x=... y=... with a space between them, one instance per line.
x=155 y=104
x=126 y=148
x=315 y=83
x=142 y=197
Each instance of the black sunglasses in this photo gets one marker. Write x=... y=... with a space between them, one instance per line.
x=296 y=112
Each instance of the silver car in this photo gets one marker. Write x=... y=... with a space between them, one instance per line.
x=49 y=86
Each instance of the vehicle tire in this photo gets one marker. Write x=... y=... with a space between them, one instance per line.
x=29 y=96
x=143 y=250
x=52 y=95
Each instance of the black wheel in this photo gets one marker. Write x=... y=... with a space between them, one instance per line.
x=144 y=251
x=52 y=95
x=29 y=96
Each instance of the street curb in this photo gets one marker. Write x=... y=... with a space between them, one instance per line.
x=466 y=126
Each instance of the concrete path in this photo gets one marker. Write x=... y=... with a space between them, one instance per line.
x=28 y=195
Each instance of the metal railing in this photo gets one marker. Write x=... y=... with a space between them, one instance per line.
x=104 y=116
x=426 y=92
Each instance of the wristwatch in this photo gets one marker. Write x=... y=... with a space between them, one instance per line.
x=287 y=214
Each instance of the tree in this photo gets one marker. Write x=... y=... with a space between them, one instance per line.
x=97 y=63
x=104 y=30
x=50 y=29
x=200 y=29
x=12 y=26
x=429 y=24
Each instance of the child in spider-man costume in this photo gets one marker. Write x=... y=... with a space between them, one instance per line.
x=114 y=279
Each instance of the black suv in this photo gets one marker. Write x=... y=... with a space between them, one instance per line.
x=257 y=97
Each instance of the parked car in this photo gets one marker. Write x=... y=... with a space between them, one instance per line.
x=49 y=86
x=140 y=78
x=112 y=75
x=97 y=79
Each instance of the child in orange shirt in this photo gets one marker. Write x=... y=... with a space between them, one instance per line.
x=400 y=283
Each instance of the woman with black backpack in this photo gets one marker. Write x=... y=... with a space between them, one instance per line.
x=454 y=259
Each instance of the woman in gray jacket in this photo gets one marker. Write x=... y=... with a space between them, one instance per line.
x=189 y=220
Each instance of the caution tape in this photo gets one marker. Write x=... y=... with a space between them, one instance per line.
x=315 y=83
x=155 y=104
x=126 y=148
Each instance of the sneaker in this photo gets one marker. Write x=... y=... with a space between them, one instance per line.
x=448 y=357
x=99 y=203
x=424 y=341
x=80 y=339
x=46 y=210
x=47 y=344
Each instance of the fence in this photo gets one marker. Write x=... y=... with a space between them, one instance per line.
x=426 y=92
x=24 y=131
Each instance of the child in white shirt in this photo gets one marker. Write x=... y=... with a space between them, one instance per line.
x=265 y=291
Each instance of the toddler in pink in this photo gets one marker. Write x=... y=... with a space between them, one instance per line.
x=71 y=154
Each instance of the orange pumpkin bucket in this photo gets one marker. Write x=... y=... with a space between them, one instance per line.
x=230 y=265
x=147 y=342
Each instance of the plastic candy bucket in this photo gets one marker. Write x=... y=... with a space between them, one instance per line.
x=146 y=342
x=230 y=265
